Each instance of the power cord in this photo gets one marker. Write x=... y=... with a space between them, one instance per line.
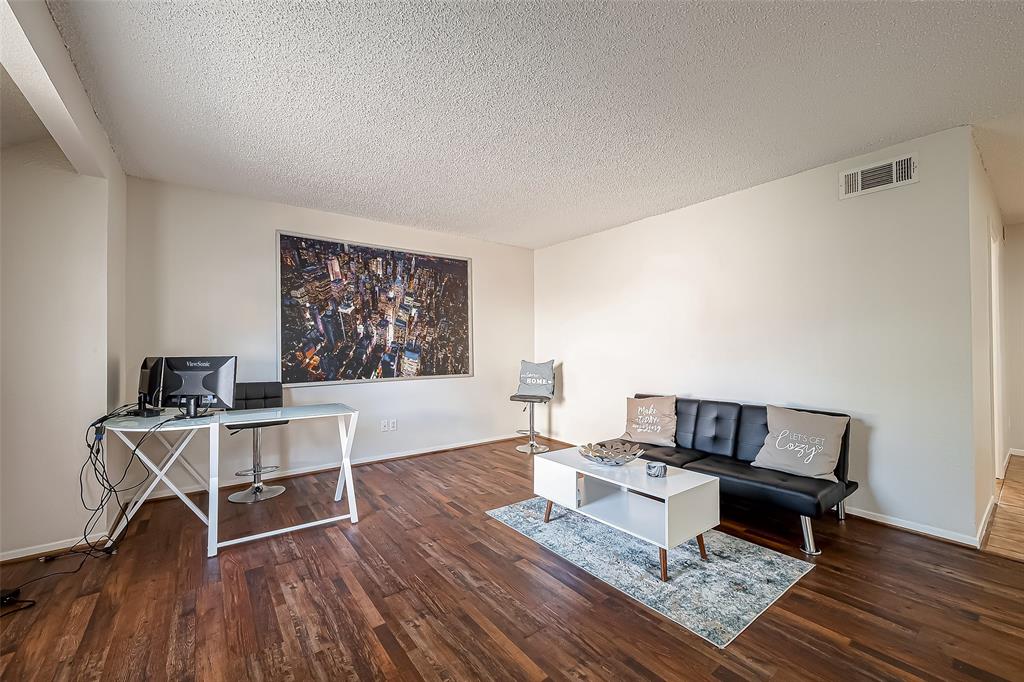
x=9 y=597
x=109 y=489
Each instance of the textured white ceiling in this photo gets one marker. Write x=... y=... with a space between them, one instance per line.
x=528 y=123
x=18 y=122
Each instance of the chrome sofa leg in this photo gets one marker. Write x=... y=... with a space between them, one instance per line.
x=841 y=511
x=809 y=548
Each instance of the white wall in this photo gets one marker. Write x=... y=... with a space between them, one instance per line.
x=53 y=355
x=784 y=294
x=202 y=280
x=780 y=293
x=1013 y=336
x=34 y=54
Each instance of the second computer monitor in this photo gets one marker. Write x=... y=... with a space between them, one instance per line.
x=151 y=379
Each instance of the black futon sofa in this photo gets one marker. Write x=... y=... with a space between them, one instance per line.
x=721 y=439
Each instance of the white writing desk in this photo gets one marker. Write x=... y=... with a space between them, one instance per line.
x=123 y=426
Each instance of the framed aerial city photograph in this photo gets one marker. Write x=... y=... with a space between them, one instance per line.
x=352 y=312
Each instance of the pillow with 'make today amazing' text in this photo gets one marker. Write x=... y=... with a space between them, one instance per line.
x=651 y=420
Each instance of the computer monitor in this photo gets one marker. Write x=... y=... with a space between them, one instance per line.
x=151 y=379
x=195 y=383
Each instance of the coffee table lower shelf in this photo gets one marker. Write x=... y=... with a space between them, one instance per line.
x=665 y=512
x=662 y=552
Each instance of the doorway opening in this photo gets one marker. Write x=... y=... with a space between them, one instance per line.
x=1005 y=532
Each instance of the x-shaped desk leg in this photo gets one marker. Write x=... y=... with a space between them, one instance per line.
x=347 y=431
x=184 y=462
x=161 y=475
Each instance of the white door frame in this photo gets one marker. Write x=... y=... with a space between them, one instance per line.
x=996 y=367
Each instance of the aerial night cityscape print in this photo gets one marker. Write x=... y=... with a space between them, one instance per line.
x=362 y=313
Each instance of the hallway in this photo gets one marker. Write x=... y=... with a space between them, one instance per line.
x=1006 y=531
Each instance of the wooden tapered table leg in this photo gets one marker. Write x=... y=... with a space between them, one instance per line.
x=663 y=555
x=700 y=543
x=547 y=512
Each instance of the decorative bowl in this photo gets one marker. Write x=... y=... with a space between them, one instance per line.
x=613 y=453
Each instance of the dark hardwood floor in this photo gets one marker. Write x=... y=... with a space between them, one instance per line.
x=427 y=586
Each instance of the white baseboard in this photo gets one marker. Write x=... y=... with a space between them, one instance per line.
x=436 y=448
x=985 y=520
x=1006 y=461
x=233 y=480
x=959 y=538
x=47 y=547
x=228 y=481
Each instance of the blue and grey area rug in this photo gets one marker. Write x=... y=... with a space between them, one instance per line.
x=716 y=599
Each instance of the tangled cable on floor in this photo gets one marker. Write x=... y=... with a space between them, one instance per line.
x=94 y=466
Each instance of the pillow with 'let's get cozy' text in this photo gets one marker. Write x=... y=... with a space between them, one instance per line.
x=802 y=443
x=651 y=420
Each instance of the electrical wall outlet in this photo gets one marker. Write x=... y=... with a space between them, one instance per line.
x=383 y=425
x=393 y=425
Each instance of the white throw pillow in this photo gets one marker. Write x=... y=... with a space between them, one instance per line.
x=802 y=443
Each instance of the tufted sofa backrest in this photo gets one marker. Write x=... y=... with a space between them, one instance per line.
x=734 y=430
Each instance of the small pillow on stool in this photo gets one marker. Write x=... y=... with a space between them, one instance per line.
x=537 y=378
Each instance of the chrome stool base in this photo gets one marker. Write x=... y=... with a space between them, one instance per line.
x=256 y=494
x=532 y=447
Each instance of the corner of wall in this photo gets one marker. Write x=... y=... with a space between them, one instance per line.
x=37 y=60
x=983 y=224
x=117 y=380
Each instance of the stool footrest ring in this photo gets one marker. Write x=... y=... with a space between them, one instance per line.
x=257 y=470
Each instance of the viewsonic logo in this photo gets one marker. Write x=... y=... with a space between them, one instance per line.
x=194 y=363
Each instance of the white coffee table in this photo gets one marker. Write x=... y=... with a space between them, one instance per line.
x=663 y=511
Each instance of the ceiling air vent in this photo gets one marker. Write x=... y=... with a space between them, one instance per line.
x=879 y=176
